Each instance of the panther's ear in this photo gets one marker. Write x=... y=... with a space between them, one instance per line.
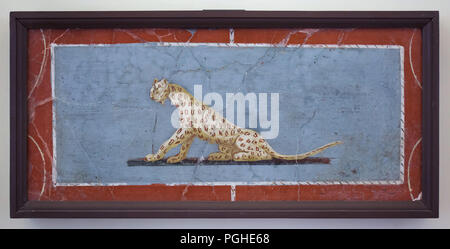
x=165 y=82
x=154 y=81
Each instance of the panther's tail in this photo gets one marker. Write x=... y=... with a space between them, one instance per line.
x=274 y=154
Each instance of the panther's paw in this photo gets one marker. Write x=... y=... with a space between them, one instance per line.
x=151 y=158
x=174 y=159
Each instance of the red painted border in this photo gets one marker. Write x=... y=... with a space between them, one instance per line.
x=40 y=119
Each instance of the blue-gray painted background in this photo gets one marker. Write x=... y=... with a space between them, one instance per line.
x=104 y=116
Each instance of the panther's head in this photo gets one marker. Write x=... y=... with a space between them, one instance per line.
x=160 y=90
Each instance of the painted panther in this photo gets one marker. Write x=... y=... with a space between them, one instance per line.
x=199 y=120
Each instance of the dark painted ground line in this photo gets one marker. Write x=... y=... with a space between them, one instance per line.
x=195 y=161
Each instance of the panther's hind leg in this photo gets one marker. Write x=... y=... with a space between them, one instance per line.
x=184 y=149
x=223 y=155
x=250 y=148
x=251 y=156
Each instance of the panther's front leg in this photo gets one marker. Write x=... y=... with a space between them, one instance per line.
x=179 y=137
x=183 y=152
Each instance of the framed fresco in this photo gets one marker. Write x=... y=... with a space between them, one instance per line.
x=224 y=114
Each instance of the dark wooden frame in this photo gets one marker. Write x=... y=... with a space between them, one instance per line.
x=427 y=21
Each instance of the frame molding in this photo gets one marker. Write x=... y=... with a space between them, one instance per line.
x=21 y=22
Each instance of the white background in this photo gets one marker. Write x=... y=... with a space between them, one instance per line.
x=90 y=5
